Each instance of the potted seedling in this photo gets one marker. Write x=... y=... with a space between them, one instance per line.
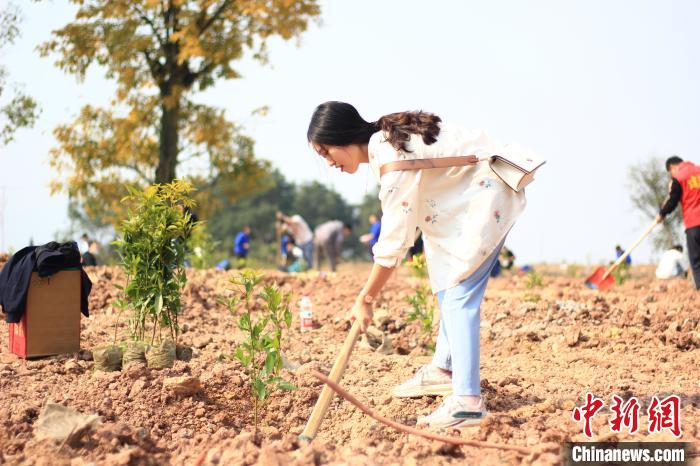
x=153 y=246
x=109 y=358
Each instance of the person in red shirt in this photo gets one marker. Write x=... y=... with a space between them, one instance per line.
x=685 y=189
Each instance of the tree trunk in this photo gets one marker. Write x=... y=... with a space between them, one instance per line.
x=165 y=173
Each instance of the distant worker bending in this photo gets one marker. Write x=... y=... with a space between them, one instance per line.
x=300 y=231
x=328 y=241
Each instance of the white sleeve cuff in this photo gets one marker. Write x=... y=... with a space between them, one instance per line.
x=388 y=262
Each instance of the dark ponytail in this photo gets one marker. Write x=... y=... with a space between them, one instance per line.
x=340 y=124
x=400 y=126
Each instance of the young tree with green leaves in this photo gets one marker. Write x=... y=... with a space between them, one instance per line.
x=153 y=245
x=260 y=350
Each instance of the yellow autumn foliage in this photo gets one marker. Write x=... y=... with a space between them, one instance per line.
x=159 y=53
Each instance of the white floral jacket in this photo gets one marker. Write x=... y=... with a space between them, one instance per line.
x=463 y=212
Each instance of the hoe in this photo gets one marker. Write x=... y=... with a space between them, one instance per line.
x=331 y=385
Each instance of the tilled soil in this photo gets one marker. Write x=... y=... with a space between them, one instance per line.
x=542 y=350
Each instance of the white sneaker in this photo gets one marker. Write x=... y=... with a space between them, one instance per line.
x=429 y=380
x=454 y=412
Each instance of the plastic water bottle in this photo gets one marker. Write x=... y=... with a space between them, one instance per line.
x=306 y=314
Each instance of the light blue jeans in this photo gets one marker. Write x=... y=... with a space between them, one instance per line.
x=457 y=347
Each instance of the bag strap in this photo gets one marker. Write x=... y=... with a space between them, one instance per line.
x=419 y=164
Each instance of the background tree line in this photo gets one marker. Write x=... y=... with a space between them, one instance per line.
x=314 y=201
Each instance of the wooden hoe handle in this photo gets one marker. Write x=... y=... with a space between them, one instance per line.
x=324 y=400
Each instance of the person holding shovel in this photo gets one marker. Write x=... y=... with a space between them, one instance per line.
x=685 y=189
x=464 y=213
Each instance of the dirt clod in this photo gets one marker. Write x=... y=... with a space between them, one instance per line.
x=183 y=386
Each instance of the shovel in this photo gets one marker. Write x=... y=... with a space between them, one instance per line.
x=324 y=400
x=602 y=279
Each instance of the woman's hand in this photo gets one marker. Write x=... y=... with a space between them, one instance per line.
x=362 y=309
x=363 y=312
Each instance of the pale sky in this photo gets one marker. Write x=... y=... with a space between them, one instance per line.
x=592 y=86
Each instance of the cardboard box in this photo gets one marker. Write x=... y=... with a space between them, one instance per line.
x=51 y=322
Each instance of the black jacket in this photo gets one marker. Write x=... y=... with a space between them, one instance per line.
x=674 y=197
x=45 y=260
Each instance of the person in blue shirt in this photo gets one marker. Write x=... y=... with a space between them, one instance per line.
x=283 y=244
x=619 y=251
x=241 y=246
x=375 y=228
